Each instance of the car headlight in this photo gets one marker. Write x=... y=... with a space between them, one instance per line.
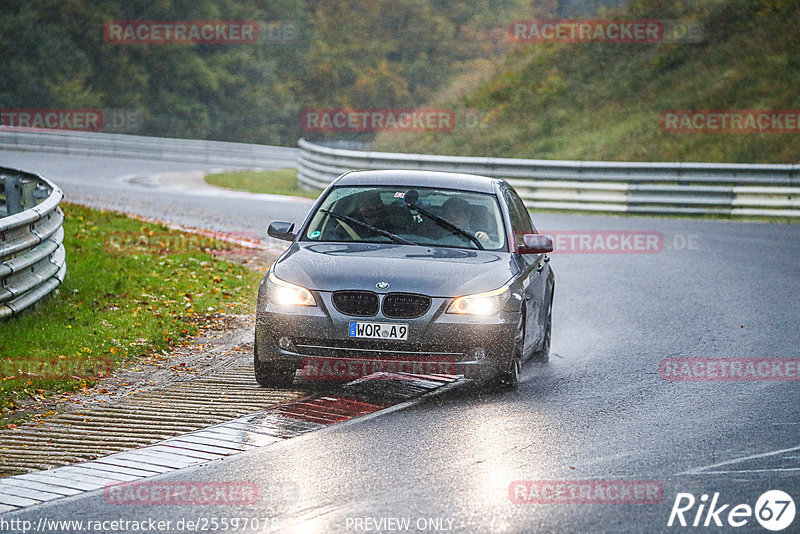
x=287 y=294
x=487 y=303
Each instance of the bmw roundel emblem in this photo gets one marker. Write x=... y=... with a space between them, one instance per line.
x=382 y=285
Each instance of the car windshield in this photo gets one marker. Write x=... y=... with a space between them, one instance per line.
x=418 y=215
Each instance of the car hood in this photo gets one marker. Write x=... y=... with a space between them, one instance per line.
x=433 y=271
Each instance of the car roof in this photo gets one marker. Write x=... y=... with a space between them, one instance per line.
x=404 y=178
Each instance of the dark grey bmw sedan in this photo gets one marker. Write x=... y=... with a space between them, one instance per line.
x=407 y=272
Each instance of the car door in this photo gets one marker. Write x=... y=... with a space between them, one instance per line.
x=532 y=265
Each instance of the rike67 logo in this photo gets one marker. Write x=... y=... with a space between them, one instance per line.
x=774 y=510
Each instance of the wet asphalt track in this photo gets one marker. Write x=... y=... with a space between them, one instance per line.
x=597 y=410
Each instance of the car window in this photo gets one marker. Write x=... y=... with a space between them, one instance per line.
x=520 y=218
x=355 y=214
x=527 y=221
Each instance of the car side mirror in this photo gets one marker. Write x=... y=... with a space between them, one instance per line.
x=535 y=244
x=281 y=230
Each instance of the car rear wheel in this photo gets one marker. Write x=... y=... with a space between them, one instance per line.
x=269 y=375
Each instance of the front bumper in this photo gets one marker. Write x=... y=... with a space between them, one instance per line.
x=316 y=341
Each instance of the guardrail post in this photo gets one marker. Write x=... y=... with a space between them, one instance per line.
x=27 y=189
x=13 y=196
x=40 y=194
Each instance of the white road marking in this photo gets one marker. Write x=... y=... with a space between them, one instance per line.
x=775 y=470
x=705 y=469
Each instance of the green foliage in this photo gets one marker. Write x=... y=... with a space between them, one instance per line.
x=347 y=53
x=598 y=101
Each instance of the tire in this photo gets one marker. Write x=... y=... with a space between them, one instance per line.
x=543 y=353
x=509 y=380
x=269 y=375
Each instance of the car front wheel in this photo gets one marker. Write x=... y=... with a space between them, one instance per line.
x=510 y=379
x=269 y=375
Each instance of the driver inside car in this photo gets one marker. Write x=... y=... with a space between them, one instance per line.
x=368 y=208
x=457 y=211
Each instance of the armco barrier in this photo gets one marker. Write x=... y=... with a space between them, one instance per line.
x=32 y=258
x=140 y=147
x=654 y=188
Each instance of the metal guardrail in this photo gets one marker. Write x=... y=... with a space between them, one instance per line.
x=645 y=188
x=140 y=147
x=32 y=258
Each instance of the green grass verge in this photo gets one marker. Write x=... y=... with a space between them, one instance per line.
x=276 y=182
x=132 y=289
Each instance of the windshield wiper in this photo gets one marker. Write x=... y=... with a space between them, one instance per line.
x=447 y=225
x=393 y=237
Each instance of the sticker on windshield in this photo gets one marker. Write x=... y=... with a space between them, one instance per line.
x=399 y=195
x=315 y=234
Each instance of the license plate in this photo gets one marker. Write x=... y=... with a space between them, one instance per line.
x=393 y=331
